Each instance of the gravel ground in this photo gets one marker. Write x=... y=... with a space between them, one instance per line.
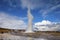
x=15 y=37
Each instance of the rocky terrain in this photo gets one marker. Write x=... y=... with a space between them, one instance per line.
x=7 y=34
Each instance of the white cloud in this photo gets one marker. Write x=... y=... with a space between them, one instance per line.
x=47 y=26
x=44 y=22
x=45 y=12
x=11 y=22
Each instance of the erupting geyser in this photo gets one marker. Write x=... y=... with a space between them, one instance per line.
x=30 y=18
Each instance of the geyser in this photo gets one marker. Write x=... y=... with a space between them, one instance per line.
x=30 y=18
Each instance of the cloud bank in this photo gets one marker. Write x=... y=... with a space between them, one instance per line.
x=11 y=22
x=44 y=22
x=46 y=25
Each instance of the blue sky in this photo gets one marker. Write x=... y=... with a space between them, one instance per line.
x=40 y=9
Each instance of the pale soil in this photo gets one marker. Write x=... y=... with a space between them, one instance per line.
x=41 y=36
